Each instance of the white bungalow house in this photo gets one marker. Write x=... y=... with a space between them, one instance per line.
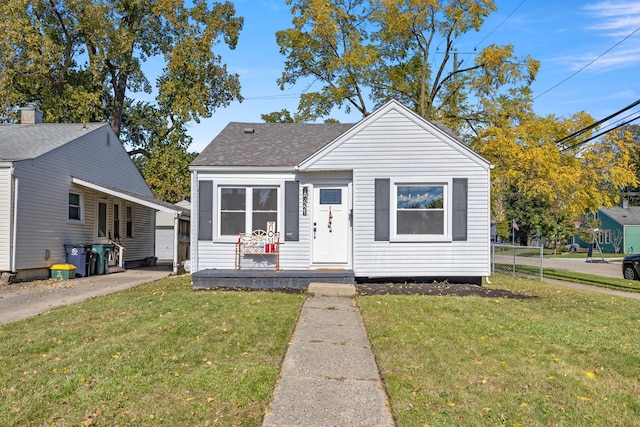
x=74 y=185
x=393 y=196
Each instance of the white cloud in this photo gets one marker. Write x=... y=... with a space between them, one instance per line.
x=614 y=59
x=617 y=19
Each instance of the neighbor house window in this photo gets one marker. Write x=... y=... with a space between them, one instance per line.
x=129 y=221
x=420 y=209
x=604 y=237
x=244 y=209
x=116 y=220
x=75 y=206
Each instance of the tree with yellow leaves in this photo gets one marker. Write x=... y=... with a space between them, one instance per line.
x=543 y=185
x=365 y=52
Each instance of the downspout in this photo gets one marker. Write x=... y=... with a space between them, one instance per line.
x=14 y=238
x=176 y=240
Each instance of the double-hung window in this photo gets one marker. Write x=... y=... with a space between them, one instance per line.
x=75 y=206
x=244 y=209
x=421 y=210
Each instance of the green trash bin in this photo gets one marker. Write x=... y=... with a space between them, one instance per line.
x=103 y=251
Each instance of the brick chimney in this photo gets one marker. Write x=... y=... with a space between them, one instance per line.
x=30 y=114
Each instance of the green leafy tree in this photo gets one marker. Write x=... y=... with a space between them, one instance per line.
x=79 y=58
x=282 y=116
x=162 y=155
x=364 y=52
x=82 y=61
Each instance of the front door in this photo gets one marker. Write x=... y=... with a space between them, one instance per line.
x=331 y=228
x=101 y=223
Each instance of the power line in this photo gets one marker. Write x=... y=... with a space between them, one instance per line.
x=486 y=37
x=268 y=97
x=598 y=123
x=500 y=24
x=592 y=61
x=600 y=134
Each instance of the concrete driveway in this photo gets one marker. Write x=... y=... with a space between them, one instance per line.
x=21 y=300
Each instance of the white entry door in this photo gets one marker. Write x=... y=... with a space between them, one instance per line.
x=331 y=228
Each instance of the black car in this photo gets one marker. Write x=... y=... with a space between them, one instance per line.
x=631 y=267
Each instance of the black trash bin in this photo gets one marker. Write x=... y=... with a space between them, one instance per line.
x=80 y=256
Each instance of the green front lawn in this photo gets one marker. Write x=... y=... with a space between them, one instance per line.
x=163 y=354
x=160 y=354
x=563 y=357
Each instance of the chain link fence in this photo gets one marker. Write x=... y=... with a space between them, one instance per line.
x=517 y=260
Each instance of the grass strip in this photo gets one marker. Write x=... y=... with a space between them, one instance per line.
x=160 y=354
x=562 y=357
x=590 y=279
x=619 y=284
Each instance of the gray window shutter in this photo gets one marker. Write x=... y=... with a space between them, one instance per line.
x=205 y=210
x=460 y=189
x=291 y=211
x=382 y=208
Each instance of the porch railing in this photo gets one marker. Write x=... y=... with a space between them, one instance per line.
x=117 y=254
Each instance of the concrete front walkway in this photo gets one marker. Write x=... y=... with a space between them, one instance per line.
x=329 y=376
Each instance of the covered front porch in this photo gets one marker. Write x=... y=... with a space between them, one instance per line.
x=268 y=279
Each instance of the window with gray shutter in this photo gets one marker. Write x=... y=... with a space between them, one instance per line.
x=291 y=211
x=205 y=210
x=460 y=190
x=382 y=212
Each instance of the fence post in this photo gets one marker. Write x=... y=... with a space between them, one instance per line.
x=493 y=259
x=541 y=262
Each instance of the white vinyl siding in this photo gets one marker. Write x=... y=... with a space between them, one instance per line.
x=220 y=252
x=400 y=148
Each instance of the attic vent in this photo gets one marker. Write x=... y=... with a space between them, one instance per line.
x=249 y=130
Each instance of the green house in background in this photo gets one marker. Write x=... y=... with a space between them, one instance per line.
x=619 y=224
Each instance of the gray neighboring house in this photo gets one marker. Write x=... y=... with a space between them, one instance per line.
x=390 y=196
x=70 y=184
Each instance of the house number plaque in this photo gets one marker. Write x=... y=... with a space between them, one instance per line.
x=305 y=200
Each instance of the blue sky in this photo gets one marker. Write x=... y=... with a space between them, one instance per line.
x=566 y=36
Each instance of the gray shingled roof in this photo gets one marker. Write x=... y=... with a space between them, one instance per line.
x=26 y=142
x=270 y=144
x=624 y=216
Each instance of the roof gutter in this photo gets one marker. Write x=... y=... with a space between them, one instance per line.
x=125 y=196
x=243 y=168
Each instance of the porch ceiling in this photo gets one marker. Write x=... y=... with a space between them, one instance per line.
x=149 y=202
